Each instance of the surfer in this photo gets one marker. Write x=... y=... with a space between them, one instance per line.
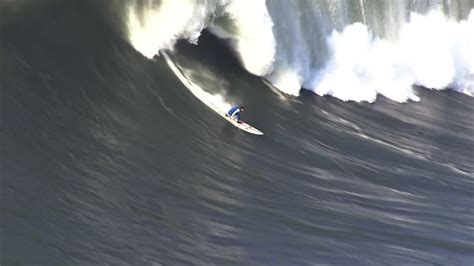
x=234 y=112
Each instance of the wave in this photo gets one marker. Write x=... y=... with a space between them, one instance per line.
x=108 y=148
x=328 y=47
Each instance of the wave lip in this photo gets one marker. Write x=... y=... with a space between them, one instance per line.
x=155 y=27
x=353 y=63
x=246 y=24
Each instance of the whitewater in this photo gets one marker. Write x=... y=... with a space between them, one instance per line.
x=351 y=50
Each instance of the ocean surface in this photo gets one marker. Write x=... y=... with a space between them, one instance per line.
x=111 y=154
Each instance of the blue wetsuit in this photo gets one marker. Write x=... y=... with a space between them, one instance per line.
x=234 y=111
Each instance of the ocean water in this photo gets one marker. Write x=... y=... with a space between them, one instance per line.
x=112 y=156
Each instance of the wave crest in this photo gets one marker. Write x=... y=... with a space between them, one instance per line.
x=156 y=27
x=295 y=45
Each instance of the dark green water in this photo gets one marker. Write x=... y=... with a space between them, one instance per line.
x=108 y=159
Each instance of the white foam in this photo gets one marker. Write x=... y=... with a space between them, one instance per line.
x=429 y=50
x=254 y=41
x=286 y=79
x=156 y=27
x=432 y=51
x=362 y=66
x=440 y=52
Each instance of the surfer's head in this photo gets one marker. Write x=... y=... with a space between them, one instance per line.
x=242 y=108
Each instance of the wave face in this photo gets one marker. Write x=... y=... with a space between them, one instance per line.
x=352 y=50
x=110 y=158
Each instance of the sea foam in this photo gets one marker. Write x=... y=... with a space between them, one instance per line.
x=157 y=27
x=352 y=63
x=431 y=51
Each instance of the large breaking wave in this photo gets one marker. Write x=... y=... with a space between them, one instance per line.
x=329 y=47
x=108 y=159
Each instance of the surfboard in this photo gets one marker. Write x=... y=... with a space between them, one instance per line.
x=243 y=126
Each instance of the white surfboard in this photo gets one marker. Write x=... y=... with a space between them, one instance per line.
x=243 y=126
